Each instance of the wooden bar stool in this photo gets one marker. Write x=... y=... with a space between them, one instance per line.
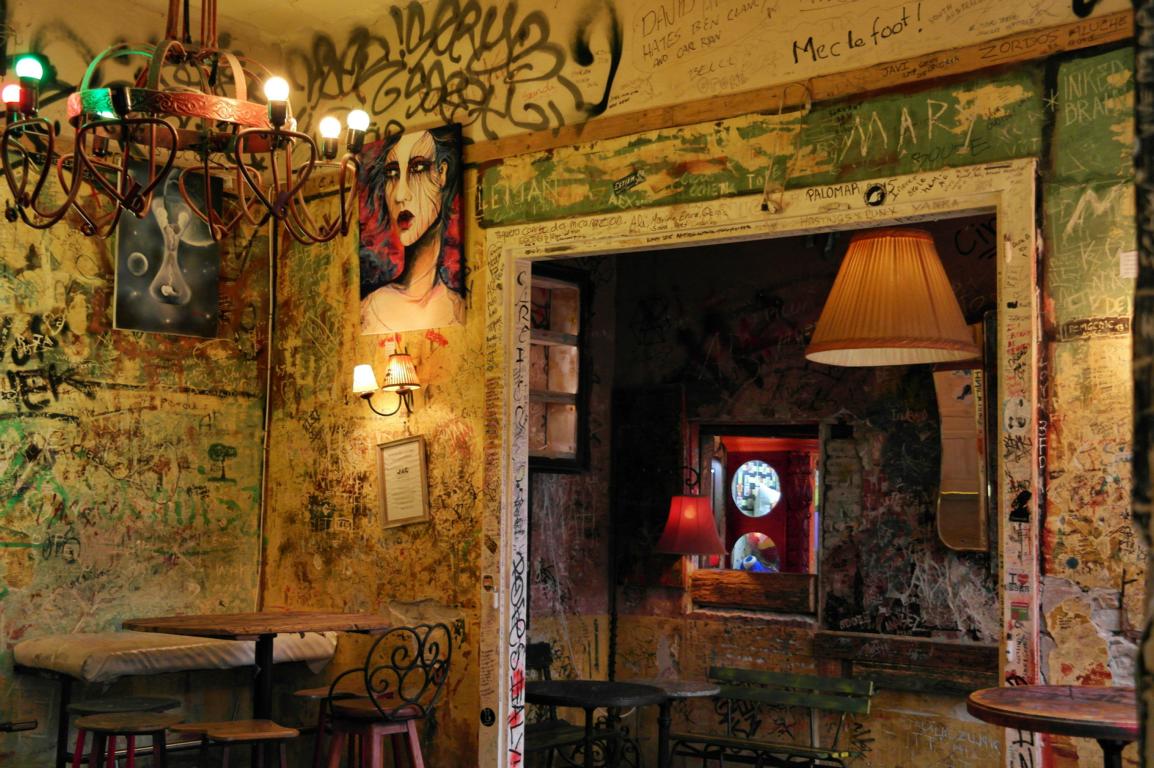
x=105 y=729
x=348 y=690
x=114 y=706
x=228 y=733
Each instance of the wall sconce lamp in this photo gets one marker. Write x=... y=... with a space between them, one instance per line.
x=400 y=378
x=689 y=529
x=891 y=304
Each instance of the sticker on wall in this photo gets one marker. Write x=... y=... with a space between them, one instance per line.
x=167 y=263
x=411 y=258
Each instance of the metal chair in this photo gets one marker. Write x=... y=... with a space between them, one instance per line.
x=404 y=674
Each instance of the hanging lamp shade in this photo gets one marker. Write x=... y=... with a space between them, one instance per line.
x=690 y=529
x=891 y=304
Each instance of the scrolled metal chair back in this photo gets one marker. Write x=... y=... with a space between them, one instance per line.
x=406 y=669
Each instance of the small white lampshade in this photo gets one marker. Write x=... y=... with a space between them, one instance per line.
x=891 y=304
x=364 y=380
x=690 y=529
x=401 y=375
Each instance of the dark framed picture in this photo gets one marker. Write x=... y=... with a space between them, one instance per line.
x=402 y=482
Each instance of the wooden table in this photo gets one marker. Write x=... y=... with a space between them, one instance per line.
x=1109 y=715
x=262 y=627
x=674 y=689
x=590 y=695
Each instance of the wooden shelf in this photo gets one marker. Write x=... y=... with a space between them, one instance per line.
x=552 y=338
x=549 y=396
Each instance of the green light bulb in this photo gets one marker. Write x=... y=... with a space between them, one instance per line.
x=29 y=68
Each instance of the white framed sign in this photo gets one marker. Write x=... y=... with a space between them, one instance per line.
x=402 y=482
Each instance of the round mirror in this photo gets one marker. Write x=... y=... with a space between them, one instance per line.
x=756 y=488
x=756 y=552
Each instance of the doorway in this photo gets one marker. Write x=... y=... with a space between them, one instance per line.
x=1005 y=189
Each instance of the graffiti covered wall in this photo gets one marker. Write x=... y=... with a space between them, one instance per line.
x=131 y=463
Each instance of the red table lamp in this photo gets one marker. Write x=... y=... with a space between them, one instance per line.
x=690 y=529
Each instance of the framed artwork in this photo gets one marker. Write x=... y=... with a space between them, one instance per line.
x=167 y=264
x=411 y=259
x=403 y=485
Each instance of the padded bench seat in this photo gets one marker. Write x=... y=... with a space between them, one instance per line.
x=100 y=657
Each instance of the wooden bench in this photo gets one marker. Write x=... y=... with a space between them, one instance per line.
x=743 y=688
x=101 y=657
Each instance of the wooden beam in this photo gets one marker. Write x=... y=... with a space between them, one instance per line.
x=1013 y=49
x=905 y=651
x=784 y=592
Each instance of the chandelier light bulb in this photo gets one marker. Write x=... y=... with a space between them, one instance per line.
x=29 y=68
x=330 y=127
x=11 y=94
x=276 y=89
x=358 y=120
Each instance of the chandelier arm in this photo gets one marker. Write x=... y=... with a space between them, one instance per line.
x=166 y=49
x=112 y=52
x=91 y=224
x=42 y=219
x=248 y=203
x=208 y=23
x=299 y=231
x=216 y=226
x=240 y=83
x=23 y=200
x=171 y=30
x=301 y=225
x=302 y=220
x=128 y=193
x=348 y=194
x=18 y=187
x=250 y=178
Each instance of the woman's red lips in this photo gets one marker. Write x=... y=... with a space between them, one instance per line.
x=404 y=219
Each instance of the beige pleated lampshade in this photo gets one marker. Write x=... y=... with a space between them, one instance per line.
x=401 y=375
x=689 y=529
x=891 y=304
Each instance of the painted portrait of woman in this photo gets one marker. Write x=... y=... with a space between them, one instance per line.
x=412 y=265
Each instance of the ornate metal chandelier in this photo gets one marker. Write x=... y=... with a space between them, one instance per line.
x=186 y=122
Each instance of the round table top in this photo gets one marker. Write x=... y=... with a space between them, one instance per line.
x=680 y=689
x=1094 y=712
x=590 y=694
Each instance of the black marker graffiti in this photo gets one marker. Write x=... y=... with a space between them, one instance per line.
x=463 y=63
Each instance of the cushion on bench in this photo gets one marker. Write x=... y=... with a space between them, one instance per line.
x=99 y=657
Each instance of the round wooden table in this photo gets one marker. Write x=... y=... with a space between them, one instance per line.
x=1109 y=715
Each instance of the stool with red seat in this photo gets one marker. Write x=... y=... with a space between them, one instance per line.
x=105 y=729
x=115 y=706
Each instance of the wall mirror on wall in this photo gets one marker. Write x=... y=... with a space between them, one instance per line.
x=965 y=493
